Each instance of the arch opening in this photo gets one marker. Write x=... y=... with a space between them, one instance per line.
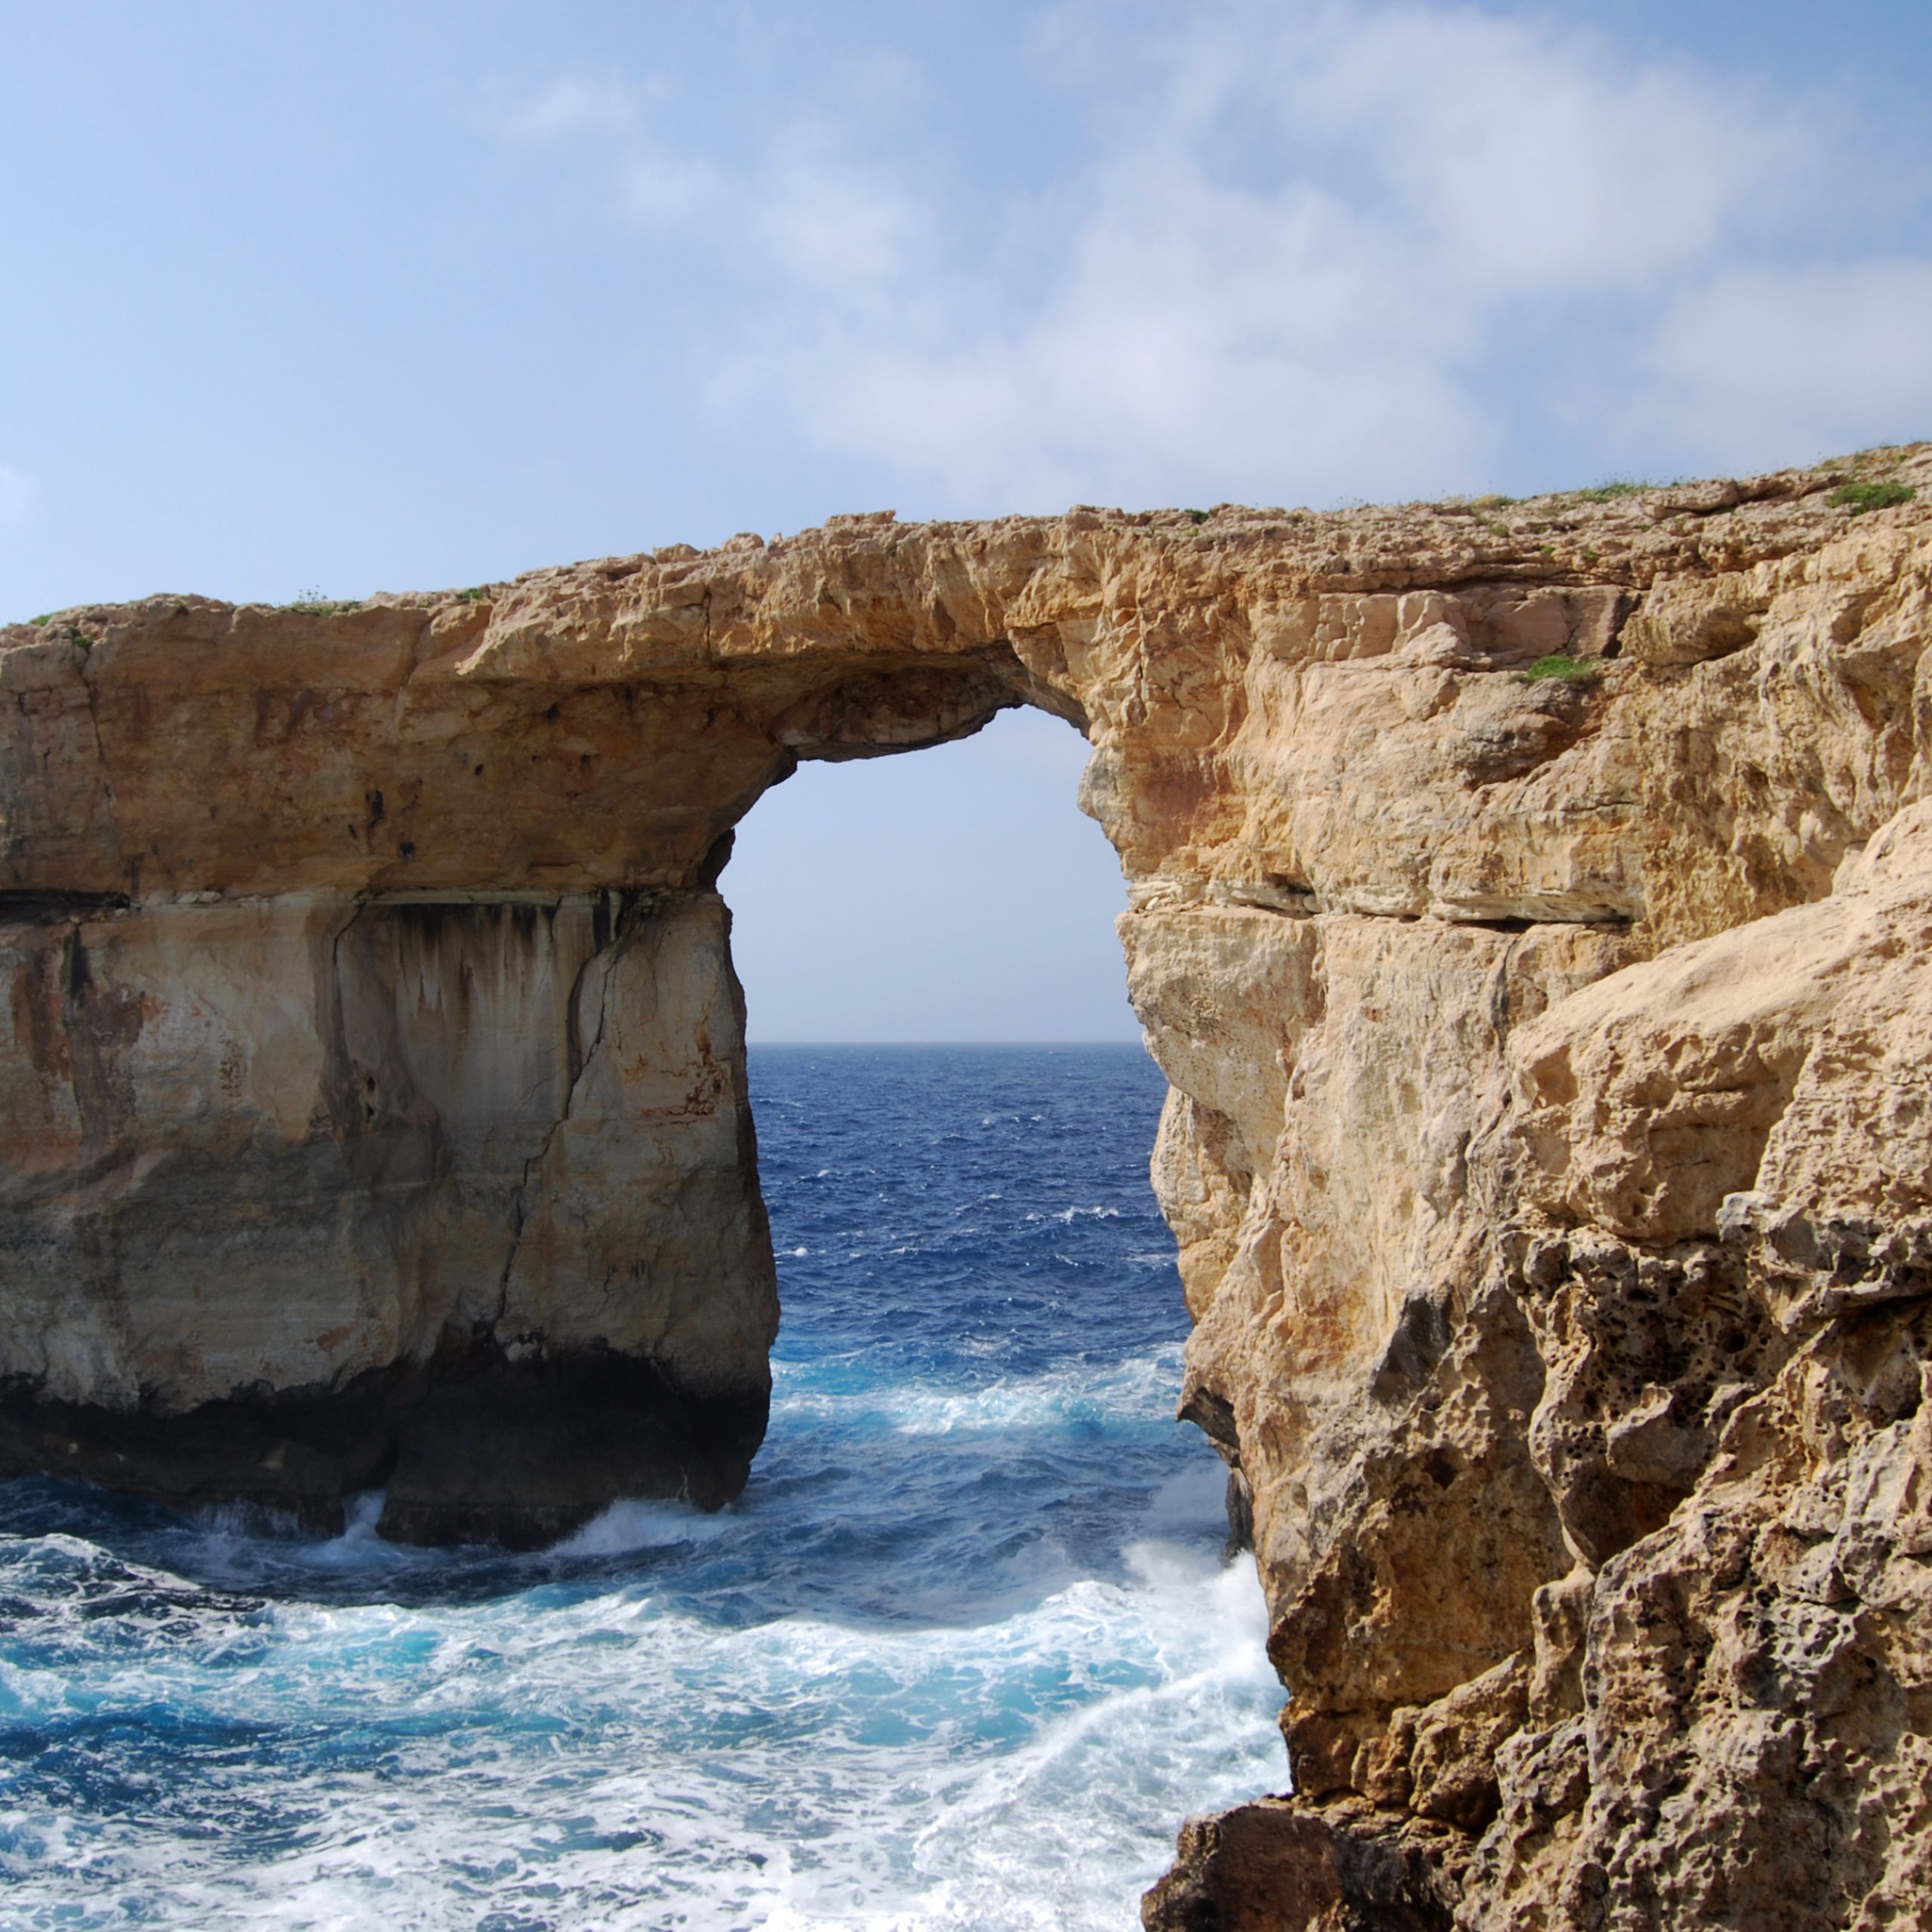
x=972 y=1454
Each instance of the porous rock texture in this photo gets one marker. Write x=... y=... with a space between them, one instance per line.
x=1549 y=1146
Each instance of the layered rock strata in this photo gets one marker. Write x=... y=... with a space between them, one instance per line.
x=1548 y=1145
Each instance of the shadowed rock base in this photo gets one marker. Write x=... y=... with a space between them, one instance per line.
x=471 y=1447
x=1277 y=1866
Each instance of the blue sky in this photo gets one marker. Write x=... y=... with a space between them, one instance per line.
x=344 y=297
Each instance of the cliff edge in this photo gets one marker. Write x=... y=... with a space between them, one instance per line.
x=1527 y=905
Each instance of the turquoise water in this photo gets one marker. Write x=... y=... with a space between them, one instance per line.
x=963 y=1656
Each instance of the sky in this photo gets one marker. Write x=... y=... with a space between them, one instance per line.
x=333 y=296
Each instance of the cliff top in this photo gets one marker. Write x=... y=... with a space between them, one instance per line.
x=1624 y=532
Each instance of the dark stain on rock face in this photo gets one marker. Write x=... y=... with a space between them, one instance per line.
x=39 y=1011
x=75 y=974
x=100 y=1020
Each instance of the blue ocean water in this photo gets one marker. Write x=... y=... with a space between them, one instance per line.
x=963 y=1657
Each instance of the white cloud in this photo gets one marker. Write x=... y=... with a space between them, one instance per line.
x=843 y=231
x=1515 y=157
x=1318 y=250
x=16 y=495
x=666 y=192
x=1809 y=359
x=573 y=107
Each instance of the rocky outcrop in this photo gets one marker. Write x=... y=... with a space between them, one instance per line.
x=1526 y=905
x=308 y=1193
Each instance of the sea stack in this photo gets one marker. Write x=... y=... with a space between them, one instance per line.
x=1530 y=907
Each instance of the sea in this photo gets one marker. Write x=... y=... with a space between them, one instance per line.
x=964 y=1656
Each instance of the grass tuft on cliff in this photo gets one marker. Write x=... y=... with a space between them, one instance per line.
x=1859 y=497
x=1571 y=670
x=313 y=604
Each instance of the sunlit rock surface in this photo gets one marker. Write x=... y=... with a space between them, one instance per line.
x=1549 y=1146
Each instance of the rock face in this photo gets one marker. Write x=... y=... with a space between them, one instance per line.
x=1549 y=1146
x=305 y=1194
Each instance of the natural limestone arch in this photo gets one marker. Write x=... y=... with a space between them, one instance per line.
x=380 y=1059
x=373 y=1074
x=374 y=1010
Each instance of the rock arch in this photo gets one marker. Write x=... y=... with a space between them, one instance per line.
x=377 y=1062
x=354 y=954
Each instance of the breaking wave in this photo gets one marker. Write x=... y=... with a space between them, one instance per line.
x=962 y=1656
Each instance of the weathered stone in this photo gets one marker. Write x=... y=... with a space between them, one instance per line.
x=1548 y=1144
x=303 y=1190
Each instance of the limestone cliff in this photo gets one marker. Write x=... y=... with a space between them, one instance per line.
x=1548 y=1147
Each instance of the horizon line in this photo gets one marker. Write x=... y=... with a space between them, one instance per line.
x=1110 y=1041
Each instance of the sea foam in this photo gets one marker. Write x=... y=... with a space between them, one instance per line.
x=962 y=1657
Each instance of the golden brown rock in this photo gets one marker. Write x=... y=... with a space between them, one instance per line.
x=1548 y=1146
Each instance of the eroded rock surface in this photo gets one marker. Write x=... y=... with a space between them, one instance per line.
x=1549 y=1146
x=306 y=1193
